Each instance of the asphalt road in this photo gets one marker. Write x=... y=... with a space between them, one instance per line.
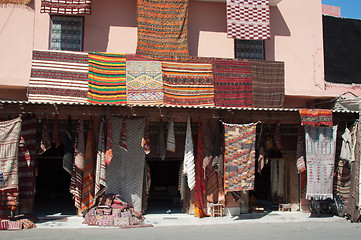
x=335 y=229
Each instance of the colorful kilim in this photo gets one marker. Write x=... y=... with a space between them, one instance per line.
x=58 y=76
x=232 y=83
x=239 y=159
x=163 y=29
x=316 y=117
x=100 y=173
x=188 y=84
x=268 y=80
x=320 y=157
x=107 y=78
x=66 y=6
x=87 y=198
x=76 y=182
x=144 y=82
x=248 y=19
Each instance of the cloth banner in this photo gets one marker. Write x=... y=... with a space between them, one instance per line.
x=188 y=84
x=101 y=166
x=163 y=29
x=239 y=157
x=58 y=77
x=144 y=82
x=107 y=78
x=316 y=117
x=66 y=6
x=248 y=19
x=268 y=83
x=125 y=173
x=320 y=157
x=232 y=83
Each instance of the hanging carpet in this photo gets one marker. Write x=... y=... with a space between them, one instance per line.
x=316 y=117
x=58 y=77
x=342 y=179
x=107 y=78
x=125 y=173
x=144 y=82
x=320 y=157
x=163 y=29
x=66 y=6
x=232 y=83
x=188 y=161
x=100 y=167
x=188 y=84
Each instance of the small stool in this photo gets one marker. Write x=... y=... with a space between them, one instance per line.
x=216 y=209
x=284 y=207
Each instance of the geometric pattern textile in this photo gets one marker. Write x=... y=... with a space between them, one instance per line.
x=58 y=77
x=107 y=78
x=125 y=172
x=268 y=88
x=66 y=33
x=316 y=117
x=248 y=19
x=239 y=158
x=232 y=83
x=320 y=157
x=144 y=82
x=188 y=84
x=66 y=6
x=162 y=29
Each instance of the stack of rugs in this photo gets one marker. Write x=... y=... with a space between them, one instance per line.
x=111 y=211
x=16 y=223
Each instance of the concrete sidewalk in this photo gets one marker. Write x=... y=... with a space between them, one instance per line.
x=162 y=220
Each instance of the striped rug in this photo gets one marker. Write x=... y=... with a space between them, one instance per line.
x=58 y=77
x=107 y=78
x=66 y=6
x=188 y=84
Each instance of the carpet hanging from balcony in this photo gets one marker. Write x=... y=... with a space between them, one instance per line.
x=71 y=7
x=162 y=29
x=188 y=84
x=232 y=83
x=320 y=158
x=248 y=19
x=239 y=158
x=316 y=117
x=58 y=77
x=107 y=78
x=268 y=82
x=144 y=82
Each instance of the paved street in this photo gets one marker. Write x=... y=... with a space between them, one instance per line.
x=334 y=228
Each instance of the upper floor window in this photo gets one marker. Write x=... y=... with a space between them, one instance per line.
x=249 y=49
x=66 y=33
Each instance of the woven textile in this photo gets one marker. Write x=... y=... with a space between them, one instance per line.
x=109 y=143
x=100 y=169
x=301 y=154
x=342 y=179
x=144 y=82
x=146 y=138
x=188 y=84
x=76 y=182
x=316 y=117
x=248 y=19
x=66 y=6
x=162 y=29
x=68 y=148
x=232 y=83
x=277 y=177
x=87 y=195
x=239 y=157
x=107 y=78
x=347 y=146
x=125 y=173
x=268 y=80
x=171 y=136
x=320 y=157
x=58 y=76
x=188 y=162
x=15 y=1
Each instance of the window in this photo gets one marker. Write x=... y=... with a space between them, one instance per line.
x=66 y=33
x=249 y=49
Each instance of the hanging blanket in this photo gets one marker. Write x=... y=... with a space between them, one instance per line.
x=144 y=82
x=171 y=136
x=100 y=172
x=66 y=6
x=342 y=179
x=316 y=117
x=232 y=83
x=15 y=1
x=268 y=83
x=188 y=162
x=107 y=78
x=58 y=76
x=248 y=19
x=68 y=148
x=188 y=84
x=239 y=158
x=163 y=29
x=320 y=157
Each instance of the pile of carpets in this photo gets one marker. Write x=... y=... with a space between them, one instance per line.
x=16 y=223
x=112 y=211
